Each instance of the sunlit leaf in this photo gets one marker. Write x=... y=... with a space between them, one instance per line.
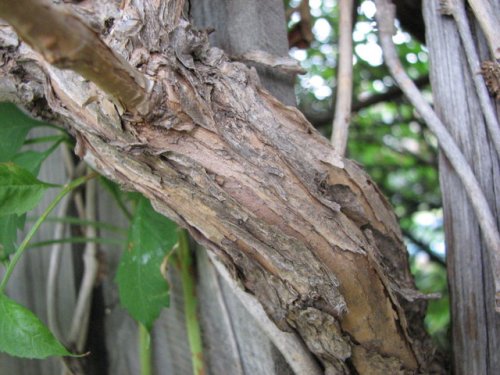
x=143 y=290
x=22 y=334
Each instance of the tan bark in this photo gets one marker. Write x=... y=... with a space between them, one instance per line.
x=68 y=43
x=309 y=234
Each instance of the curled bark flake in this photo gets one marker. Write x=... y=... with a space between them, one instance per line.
x=491 y=73
x=282 y=63
x=188 y=44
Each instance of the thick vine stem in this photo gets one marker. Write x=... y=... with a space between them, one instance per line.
x=67 y=42
x=385 y=20
x=305 y=231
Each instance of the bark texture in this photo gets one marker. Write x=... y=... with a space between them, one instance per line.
x=233 y=340
x=476 y=326
x=308 y=233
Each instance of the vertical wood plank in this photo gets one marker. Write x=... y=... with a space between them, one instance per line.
x=242 y=26
x=476 y=326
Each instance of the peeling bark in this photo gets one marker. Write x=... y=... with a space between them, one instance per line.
x=308 y=233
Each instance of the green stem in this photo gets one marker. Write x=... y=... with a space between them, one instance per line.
x=49 y=138
x=76 y=240
x=47 y=125
x=20 y=250
x=77 y=221
x=145 y=350
x=185 y=261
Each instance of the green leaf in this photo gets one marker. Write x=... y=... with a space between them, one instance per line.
x=8 y=235
x=20 y=191
x=119 y=195
x=22 y=334
x=10 y=225
x=14 y=127
x=32 y=160
x=143 y=290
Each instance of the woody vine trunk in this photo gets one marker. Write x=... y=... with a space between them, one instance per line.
x=305 y=231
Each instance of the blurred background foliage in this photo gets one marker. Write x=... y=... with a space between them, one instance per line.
x=387 y=137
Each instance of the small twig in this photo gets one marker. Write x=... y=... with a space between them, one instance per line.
x=289 y=344
x=489 y=22
x=393 y=93
x=425 y=248
x=79 y=205
x=79 y=325
x=301 y=34
x=457 y=10
x=342 y=116
x=68 y=43
x=55 y=252
x=486 y=220
x=53 y=271
x=401 y=150
x=289 y=12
